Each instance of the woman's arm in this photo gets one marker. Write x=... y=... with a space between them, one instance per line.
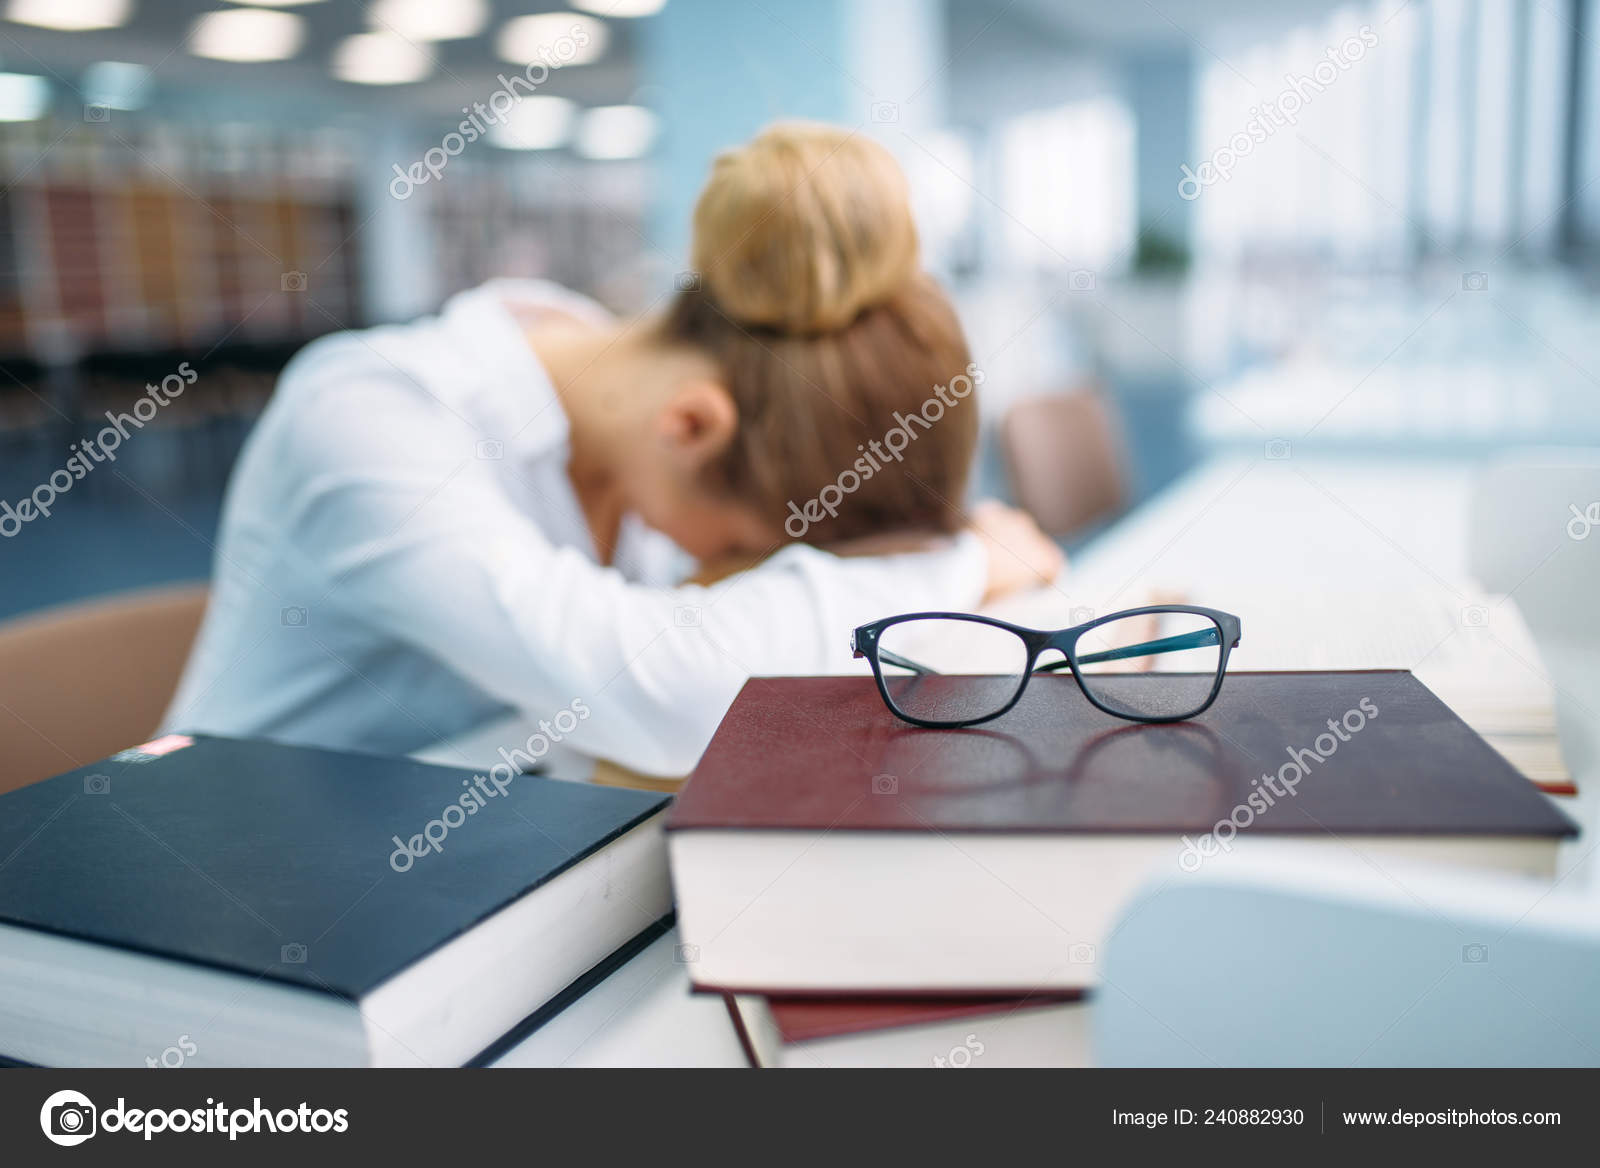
x=416 y=537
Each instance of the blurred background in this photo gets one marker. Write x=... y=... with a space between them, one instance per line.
x=1269 y=226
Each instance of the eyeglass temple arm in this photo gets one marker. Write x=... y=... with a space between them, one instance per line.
x=899 y=662
x=1195 y=640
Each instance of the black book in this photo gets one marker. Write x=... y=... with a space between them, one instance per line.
x=212 y=901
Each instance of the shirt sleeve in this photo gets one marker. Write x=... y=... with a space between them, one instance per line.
x=417 y=537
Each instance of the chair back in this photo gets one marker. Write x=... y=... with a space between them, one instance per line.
x=85 y=680
x=1064 y=455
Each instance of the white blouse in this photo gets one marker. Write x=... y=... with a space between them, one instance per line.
x=402 y=558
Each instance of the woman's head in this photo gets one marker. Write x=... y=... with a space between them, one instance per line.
x=833 y=376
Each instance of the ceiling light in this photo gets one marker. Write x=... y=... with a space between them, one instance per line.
x=430 y=20
x=534 y=123
x=554 y=38
x=615 y=131
x=381 y=58
x=76 y=15
x=118 y=85
x=246 y=34
x=23 y=97
x=621 y=8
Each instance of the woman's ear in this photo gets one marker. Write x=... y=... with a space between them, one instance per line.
x=699 y=420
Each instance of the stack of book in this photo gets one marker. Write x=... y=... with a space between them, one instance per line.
x=863 y=890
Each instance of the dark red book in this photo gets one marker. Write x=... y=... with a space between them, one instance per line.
x=1036 y=1030
x=824 y=846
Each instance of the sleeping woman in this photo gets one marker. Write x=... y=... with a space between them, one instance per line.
x=496 y=510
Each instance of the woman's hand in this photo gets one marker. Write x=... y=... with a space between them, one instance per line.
x=1020 y=555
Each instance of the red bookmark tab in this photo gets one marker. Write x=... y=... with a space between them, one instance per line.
x=153 y=749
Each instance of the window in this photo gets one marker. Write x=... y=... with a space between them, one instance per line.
x=1454 y=131
x=1542 y=168
x=1067 y=179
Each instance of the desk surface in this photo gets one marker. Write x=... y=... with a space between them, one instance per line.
x=1331 y=564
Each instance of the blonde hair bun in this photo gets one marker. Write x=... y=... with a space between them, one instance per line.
x=803 y=228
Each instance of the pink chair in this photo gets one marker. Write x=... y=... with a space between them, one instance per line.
x=1065 y=457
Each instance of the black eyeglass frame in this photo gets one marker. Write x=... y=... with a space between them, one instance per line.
x=864 y=642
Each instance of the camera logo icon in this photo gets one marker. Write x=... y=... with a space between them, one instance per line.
x=97 y=784
x=686 y=616
x=884 y=112
x=885 y=784
x=95 y=112
x=1081 y=280
x=293 y=282
x=1081 y=614
x=1475 y=954
x=490 y=449
x=1277 y=449
x=1475 y=616
x=294 y=953
x=1081 y=953
x=67 y=1118
x=687 y=281
x=686 y=954
x=293 y=617
x=1475 y=281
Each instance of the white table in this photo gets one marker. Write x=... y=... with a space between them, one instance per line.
x=1331 y=564
x=1339 y=563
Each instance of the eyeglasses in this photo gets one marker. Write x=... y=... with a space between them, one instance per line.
x=1163 y=663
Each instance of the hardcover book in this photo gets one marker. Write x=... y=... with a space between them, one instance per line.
x=824 y=846
x=276 y=905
